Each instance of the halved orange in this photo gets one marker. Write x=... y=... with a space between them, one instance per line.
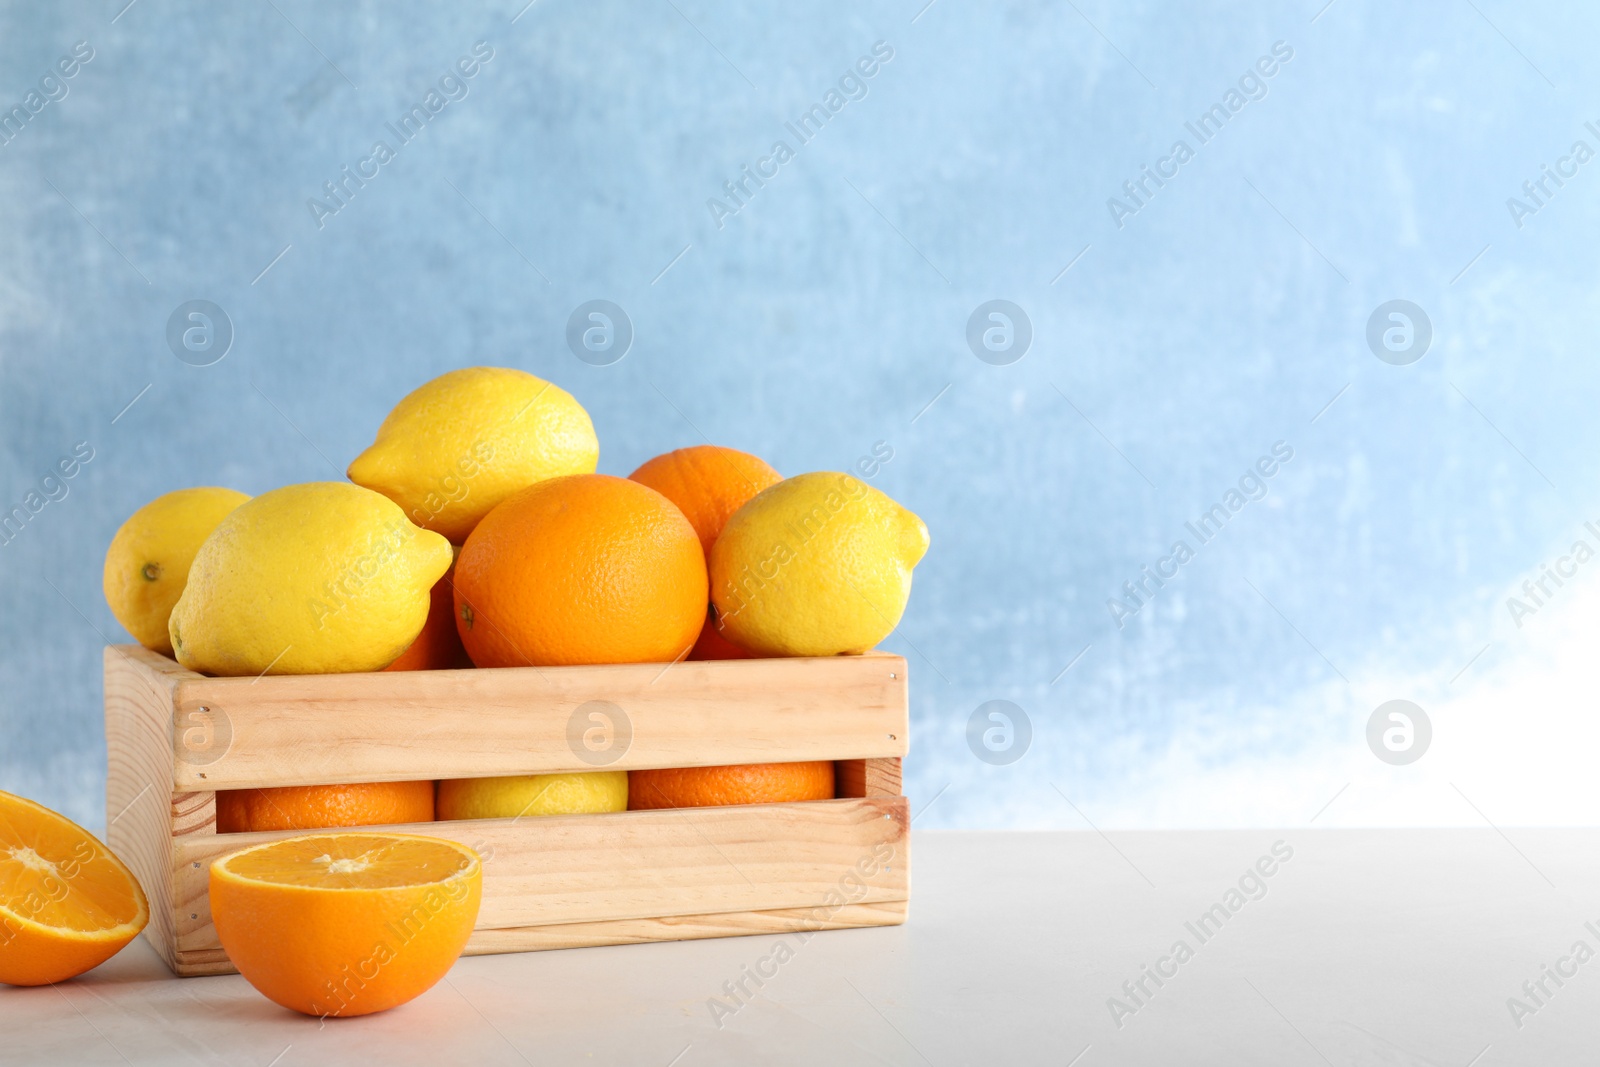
x=66 y=903
x=348 y=923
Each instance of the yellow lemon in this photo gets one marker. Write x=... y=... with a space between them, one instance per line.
x=308 y=579
x=532 y=794
x=457 y=446
x=149 y=558
x=816 y=565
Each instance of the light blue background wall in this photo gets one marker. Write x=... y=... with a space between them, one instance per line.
x=826 y=315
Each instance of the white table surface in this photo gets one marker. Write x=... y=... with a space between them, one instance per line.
x=1368 y=947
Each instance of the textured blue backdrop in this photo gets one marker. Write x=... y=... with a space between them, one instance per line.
x=810 y=319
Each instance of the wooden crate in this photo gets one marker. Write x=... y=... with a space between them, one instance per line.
x=174 y=737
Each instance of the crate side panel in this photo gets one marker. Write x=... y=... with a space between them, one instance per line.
x=161 y=667
x=139 y=816
x=562 y=870
x=327 y=729
x=194 y=814
x=867 y=777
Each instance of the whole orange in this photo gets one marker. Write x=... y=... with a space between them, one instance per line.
x=438 y=646
x=747 y=783
x=318 y=807
x=588 y=568
x=708 y=483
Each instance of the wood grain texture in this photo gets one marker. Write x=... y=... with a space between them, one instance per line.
x=315 y=729
x=867 y=777
x=168 y=668
x=687 y=927
x=139 y=691
x=200 y=964
x=630 y=932
x=194 y=814
x=583 y=869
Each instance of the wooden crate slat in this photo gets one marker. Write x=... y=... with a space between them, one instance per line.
x=636 y=865
x=631 y=931
x=686 y=927
x=325 y=729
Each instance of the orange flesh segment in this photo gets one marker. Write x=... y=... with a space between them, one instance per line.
x=54 y=875
x=351 y=861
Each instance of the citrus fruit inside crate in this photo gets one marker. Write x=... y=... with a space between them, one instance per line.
x=174 y=737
